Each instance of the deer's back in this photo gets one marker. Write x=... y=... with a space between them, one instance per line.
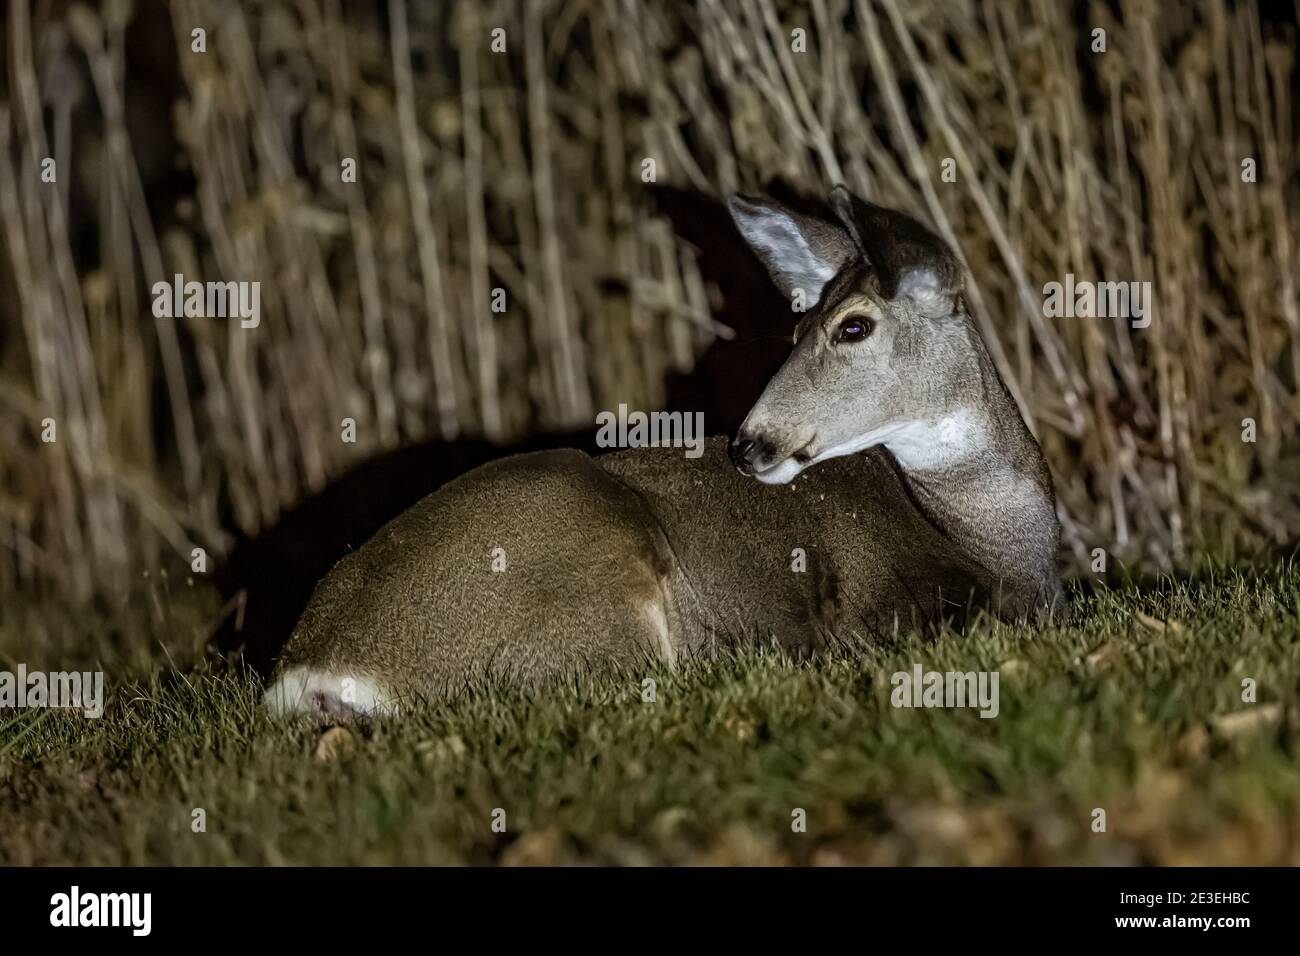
x=527 y=567
x=537 y=565
x=841 y=549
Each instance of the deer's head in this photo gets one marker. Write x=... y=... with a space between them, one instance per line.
x=882 y=350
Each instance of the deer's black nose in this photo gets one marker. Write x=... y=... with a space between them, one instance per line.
x=741 y=451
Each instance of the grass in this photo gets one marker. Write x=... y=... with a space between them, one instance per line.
x=1120 y=704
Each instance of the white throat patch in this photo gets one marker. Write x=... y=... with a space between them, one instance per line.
x=928 y=445
x=921 y=445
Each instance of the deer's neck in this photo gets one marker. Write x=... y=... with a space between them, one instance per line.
x=976 y=473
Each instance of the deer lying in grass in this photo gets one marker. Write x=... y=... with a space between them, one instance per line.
x=928 y=497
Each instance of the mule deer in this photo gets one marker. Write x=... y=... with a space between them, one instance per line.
x=885 y=478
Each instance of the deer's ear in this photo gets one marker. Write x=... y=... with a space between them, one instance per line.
x=910 y=262
x=928 y=290
x=800 y=252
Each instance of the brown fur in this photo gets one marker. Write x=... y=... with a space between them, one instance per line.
x=643 y=554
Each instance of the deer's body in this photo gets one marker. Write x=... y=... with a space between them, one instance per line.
x=537 y=566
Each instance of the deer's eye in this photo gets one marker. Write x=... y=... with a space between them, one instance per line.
x=854 y=329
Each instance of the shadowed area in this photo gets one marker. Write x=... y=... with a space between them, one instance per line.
x=268 y=578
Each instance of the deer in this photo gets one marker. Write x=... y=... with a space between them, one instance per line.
x=885 y=479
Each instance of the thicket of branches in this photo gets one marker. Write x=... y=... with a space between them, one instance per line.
x=523 y=171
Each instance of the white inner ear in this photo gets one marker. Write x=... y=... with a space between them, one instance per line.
x=779 y=240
